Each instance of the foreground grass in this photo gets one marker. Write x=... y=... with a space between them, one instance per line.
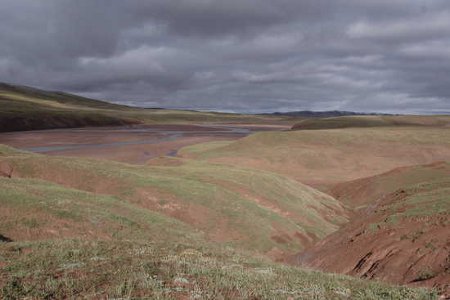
x=139 y=269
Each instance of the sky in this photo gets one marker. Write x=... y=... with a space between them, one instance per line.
x=234 y=55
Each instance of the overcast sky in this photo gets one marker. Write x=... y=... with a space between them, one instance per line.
x=234 y=55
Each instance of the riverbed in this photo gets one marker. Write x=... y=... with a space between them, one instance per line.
x=131 y=144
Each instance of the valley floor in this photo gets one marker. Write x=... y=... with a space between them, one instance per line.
x=132 y=144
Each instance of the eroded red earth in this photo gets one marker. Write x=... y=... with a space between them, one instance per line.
x=401 y=235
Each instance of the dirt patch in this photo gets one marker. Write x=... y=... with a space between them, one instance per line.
x=6 y=169
x=386 y=240
x=408 y=254
x=276 y=254
x=223 y=232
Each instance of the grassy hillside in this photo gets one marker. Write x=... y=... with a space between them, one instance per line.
x=372 y=121
x=156 y=256
x=133 y=269
x=25 y=108
x=55 y=99
x=323 y=158
x=253 y=210
x=62 y=240
x=366 y=191
x=401 y=236
x=36 y=209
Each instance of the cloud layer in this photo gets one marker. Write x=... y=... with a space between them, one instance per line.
x=234 y=55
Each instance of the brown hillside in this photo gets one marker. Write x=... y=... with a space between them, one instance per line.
x=401 y=237
x=324 y=158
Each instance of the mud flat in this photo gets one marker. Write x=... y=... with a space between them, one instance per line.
x=131 y=144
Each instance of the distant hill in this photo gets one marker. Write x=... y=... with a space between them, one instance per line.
x=322 y=114
x=25 y=108
x=16 y=91
x=365 y=121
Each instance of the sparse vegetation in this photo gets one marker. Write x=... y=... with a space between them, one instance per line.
x=425 y=275
x=75 y=268
x=404 y=230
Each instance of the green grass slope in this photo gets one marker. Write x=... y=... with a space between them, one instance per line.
x=365 y=191
x=372 y=121
x=249 y=209
x=36 y=209
x=130 y=269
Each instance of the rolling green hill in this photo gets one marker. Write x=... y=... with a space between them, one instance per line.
x=249 y=209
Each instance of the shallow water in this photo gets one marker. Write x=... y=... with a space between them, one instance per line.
x=159 y=135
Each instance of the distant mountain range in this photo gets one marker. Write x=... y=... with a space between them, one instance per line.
x=323 y=114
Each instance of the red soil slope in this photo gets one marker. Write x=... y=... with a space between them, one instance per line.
x=401 y=237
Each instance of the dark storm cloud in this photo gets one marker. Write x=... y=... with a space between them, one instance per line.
x=235 y=55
